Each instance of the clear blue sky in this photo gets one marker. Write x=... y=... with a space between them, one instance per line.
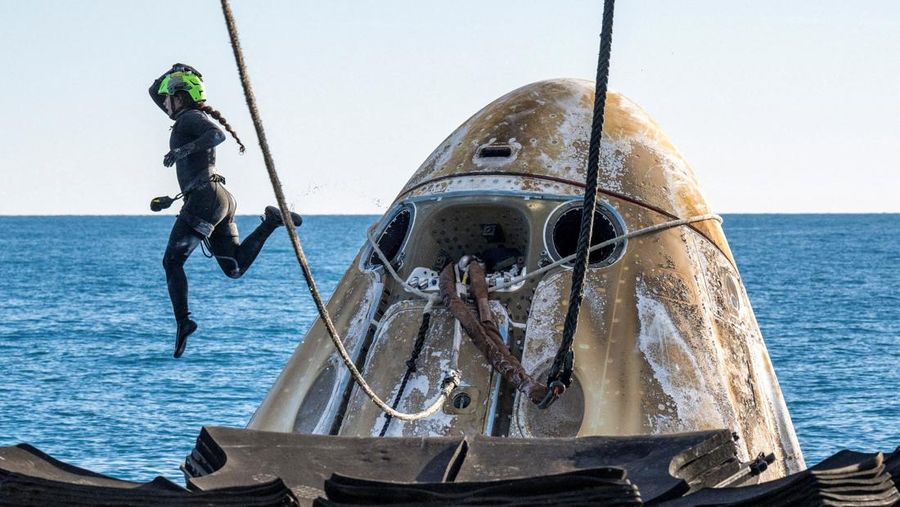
x=779 y=106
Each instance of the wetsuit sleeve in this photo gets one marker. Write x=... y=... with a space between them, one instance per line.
x=206 y=134
x=157 y=98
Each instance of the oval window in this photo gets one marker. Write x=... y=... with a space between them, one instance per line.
x=563 y=226
x=392 y=238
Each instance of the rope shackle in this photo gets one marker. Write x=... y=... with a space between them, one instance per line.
x=558 y=380
x=554 y=391
x=452 y=380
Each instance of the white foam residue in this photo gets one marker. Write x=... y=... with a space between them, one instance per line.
x=396 y=427
x=613 y=152
x=680 y=175
x=635 y=111
x=681 y=379
x=595 y=299
x=324 y=423
x=545 y=312
x=440 y=156
x=573 y=134
x=543 y=319
x=420 y=392
x=437 y=424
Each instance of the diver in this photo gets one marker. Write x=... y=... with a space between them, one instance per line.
x=207 y=214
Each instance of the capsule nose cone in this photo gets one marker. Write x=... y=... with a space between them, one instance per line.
x=536 y=139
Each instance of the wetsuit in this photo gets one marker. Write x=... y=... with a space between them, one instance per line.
x=208 y=210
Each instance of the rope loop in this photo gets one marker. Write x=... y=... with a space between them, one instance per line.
x=451 y=380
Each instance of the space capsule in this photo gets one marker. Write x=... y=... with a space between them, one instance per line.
x=666 y=341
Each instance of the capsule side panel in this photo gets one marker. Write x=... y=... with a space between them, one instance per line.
x=666 y=343
x=351 y=308
x=386 y=366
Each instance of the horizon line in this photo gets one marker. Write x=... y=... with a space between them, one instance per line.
x=100 y=215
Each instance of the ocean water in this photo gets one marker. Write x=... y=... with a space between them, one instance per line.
x=86 y=372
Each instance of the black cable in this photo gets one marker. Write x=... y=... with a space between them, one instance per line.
x=561 y=371
x=410 y=369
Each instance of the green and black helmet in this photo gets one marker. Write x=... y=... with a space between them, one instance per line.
x=183 y=78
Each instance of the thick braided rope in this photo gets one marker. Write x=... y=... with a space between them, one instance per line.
x=452 y=380
x=590 y=201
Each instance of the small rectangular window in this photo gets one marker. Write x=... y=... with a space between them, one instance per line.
x=495 y=151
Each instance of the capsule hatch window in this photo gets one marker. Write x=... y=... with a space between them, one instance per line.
x=392 y=237
x=564 y=224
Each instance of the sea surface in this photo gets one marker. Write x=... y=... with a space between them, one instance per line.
x=86 y=332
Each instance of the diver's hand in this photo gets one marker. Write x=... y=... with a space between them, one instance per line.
x=170 y=158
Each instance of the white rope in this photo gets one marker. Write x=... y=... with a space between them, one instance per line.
x=390 y=269
x=617 y=239
x=515 y=280
x=452 y=380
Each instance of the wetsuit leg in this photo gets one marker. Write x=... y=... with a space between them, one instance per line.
x=182 y=241
x=235 y=256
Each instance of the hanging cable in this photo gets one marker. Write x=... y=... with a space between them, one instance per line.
x=451 y=380
x=560 y=376
x=410 y=363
